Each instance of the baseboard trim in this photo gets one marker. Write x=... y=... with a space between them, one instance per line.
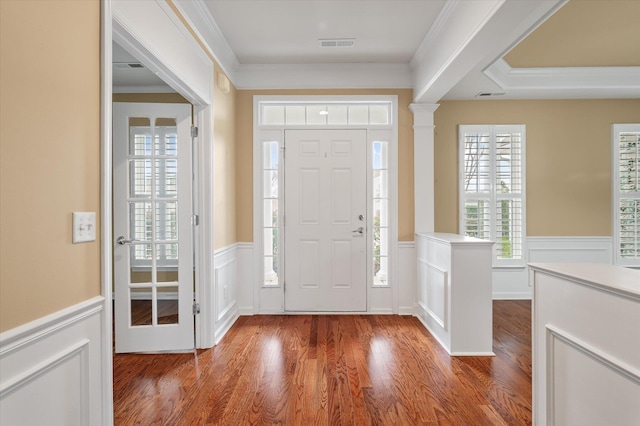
x=512 y=296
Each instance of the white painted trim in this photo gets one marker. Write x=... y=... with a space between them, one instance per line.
x=245 y=278
x=621 y=79
x=225 y=290
x=154 y=34
x=324 y=76
x=30 y=352
x=594 y=353
x=271 y=299
x=106 y=212
x=186 y=67
x=407 y=273
x=42 y=328
x=423 y=166
x=199 y=18
x=570 y=249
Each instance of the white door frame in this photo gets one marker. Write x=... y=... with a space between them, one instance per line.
x=155 y=35
x=270 y=299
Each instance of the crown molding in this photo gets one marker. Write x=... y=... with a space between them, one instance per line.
x=620 y=79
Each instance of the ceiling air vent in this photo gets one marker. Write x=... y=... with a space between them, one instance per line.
x=337 y=42
x=128 y=65
x=489 y=94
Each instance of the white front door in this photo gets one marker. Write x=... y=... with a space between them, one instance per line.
x=325 y=220
x=153 y=252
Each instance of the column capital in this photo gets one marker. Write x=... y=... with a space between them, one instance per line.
x=423 y=113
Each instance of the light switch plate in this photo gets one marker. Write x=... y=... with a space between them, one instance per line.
x=84 y=227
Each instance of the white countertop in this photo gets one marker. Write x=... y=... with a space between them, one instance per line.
x=608 y=277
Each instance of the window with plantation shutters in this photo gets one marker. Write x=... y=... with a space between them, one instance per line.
x=492 y=188
x=626 y=193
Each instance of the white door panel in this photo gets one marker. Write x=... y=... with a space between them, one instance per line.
x=153 y=251
x=325 y=239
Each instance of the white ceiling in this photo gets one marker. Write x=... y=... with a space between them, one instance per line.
x=287 y=32
x=442 y=49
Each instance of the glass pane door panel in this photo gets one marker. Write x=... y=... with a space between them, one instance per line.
x=141 y=307
x=338 y=115
x=381 y=212
x=166 y=255
x=380 y=155
x=379 y=114
x=166 y=178
x=166 y=136
x=140 y=218
x=167 y=275
x=273 y=114
x=316 y=115
x=358 y=114
x=141 y=255
x=271 y=184
x=295 y=114
x=168 y=305
x=140 y=136
x=270 y=213
x=166 y=220
x=271 y=241
x=140 y=178
x=270 y=156
x=380 y=183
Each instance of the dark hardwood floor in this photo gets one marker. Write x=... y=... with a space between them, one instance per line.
x=332 y=370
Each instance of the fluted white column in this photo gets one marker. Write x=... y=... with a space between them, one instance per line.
x=423 y=166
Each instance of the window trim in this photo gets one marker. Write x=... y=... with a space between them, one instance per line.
x=616 y=129
x=491 y=196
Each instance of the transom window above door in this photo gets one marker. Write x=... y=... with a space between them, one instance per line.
x=325 y=114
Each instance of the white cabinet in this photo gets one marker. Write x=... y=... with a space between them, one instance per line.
x=454 y=291
x=586 y=344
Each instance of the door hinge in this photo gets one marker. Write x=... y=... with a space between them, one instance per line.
x=284 y=150
x=195 y=220
x=194 y=131
x=196 y=308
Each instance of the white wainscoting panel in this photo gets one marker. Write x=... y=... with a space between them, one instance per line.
x=586 y=344
x=225 y=290
x=454 y=298
x=51 y=370
x=513 y=283
x=245 y=278
x=407 y=288
x=570 y=250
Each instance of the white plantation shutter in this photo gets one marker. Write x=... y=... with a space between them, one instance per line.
x=492 y=188
x=626 y=193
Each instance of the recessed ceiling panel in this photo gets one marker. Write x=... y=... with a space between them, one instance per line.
x=288 y=32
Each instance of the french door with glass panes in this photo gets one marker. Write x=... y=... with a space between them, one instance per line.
x=153 y=252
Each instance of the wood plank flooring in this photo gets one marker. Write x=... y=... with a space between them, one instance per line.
x=332 y=370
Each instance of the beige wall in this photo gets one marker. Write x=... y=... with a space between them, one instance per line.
x=49 y=155
x=224 y=151
x=244 y=170
x=568 y=160
x=225 y=148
